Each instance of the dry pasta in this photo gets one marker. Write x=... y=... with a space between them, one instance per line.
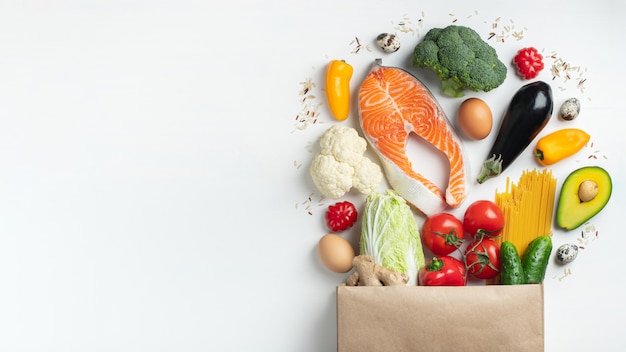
x=528 y=207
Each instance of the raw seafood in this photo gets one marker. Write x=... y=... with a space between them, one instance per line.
x=392 y=105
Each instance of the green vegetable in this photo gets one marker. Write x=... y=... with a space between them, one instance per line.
x=390 y=234
x=535 y=259
x=511 y=271
x=585 y=192
x=461 y=59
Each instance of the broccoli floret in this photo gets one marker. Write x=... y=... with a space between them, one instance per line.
x=461 y=59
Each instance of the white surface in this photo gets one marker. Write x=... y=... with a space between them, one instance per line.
x=148 y=186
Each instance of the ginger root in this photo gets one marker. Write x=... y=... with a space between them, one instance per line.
x=368 y=273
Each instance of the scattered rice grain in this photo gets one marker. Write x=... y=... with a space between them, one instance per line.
x=566 y=272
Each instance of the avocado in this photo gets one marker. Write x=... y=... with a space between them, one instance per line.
x=584 y=193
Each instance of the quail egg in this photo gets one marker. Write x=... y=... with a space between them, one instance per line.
x=570 y=109
x=566 y=253
x=387 y=42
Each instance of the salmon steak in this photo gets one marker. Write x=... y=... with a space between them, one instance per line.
x=392 y=104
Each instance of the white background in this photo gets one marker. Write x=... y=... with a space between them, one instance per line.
x=149 y=194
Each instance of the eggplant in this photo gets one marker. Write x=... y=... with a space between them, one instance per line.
x=528 y=113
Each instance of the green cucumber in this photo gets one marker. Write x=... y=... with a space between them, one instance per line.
x=511 y=271
x=535 y=259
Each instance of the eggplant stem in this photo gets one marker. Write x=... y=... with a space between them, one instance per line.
x=491 y=167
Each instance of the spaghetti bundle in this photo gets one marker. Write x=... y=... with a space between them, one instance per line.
x=528 y=207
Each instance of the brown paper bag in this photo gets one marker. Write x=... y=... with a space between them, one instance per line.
x=420 y=318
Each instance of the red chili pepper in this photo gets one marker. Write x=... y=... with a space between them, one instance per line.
x=341 y=216
x=529 y=62
x=442 y=271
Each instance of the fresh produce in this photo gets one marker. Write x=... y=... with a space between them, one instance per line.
x=461 y=59
x=528 y=113
x=340 y=164
x=529 y=62
x=588 y=190
x=390 y=234
x=388 y=42
x=442 y=271
x=475 y=118
x=511 y=271
x=570 y=109
x=585 y=192
x=559 y=145
x=531 y=267
x=338 y=76
x=336 y=253
x=442 y=233
x=566 y=253
x=368 y=273
x=483 y=218
x=392 y=105
x=535 y=259
x=482 y=259
x=341 y=216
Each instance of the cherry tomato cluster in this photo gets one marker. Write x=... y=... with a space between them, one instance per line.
x=443 y=233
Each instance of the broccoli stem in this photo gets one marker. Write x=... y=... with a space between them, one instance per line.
x=452 y=88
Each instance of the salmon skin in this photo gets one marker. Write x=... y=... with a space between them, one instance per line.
x=392 y=104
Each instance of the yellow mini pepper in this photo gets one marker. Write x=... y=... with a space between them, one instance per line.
x=559 y=145
x=338 y=75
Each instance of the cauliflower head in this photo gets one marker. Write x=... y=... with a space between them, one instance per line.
x=340 y=164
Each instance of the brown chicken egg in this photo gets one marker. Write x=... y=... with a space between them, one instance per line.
x=475 y=118
x=336 y=253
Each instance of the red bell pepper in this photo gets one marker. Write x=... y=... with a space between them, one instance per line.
x=442 y=271
x=529 y=62
x=341 y=216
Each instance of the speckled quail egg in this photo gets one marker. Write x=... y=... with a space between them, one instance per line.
x=570 y=109
x=566 y=253
x=387 y=42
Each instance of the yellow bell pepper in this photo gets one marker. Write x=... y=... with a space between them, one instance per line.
x=338 y=75
x=559 y=145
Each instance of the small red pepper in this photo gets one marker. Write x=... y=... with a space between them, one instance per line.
x=442 y=271
x=529 y=62
x=341 y=216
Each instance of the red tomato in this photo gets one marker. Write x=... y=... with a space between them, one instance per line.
x=442 y=271
x=482 y=259
x=483 y=218
x=442 y=233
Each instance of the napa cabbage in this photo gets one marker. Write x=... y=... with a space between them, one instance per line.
x=390 y=234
